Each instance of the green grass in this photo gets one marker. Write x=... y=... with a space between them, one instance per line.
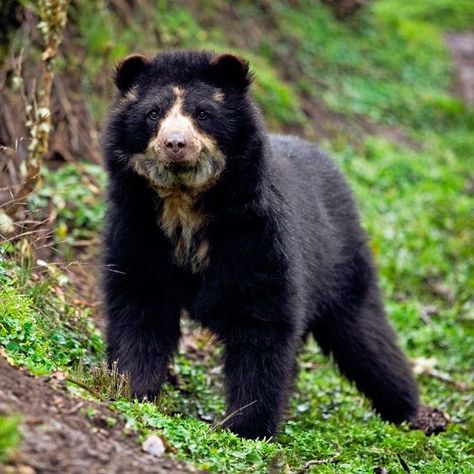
x=9 y=436
x=419 y=219
x=39 y=329
x=209 y=449
x=388 y=65
x=450 y=15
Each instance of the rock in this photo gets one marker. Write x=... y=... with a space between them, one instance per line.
x=154 y=446
x=24 y=469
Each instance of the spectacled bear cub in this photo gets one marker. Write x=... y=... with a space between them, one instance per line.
x=255 y=235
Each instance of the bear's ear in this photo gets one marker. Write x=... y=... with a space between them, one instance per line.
x=231 y=70
x=129 y=69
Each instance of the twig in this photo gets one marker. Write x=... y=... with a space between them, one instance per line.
x=231 y=415
x=316 y=462
x=19 y=236
x=83 y=386
x=436 y=374
x=69 y=112
x=85 y=243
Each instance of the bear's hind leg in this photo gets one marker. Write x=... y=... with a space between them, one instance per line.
x=365 y=349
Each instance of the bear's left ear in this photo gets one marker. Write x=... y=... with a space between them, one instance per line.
x=129 y=69
x=231 y=70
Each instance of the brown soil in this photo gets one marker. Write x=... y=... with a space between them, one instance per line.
x=58 y=436
x=462 y=49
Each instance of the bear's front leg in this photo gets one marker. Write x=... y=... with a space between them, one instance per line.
x=142 y=305
x=259 y=369
x=142 y=334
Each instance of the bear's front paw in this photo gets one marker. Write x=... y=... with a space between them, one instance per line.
x=145 y=394
x=250 y=428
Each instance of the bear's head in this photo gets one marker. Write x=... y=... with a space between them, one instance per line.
x=179 y=116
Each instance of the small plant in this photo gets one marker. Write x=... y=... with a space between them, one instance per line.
x=9 y=436
x=107 y=382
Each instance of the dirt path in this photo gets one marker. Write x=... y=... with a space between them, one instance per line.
x=59 y=437
x=461 y=46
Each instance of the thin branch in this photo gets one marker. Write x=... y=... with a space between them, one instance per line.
x=441 y=376
x=317 y=462
x=231 y=415
x=53 y=18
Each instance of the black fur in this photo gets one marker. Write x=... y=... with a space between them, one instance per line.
x=287 y=257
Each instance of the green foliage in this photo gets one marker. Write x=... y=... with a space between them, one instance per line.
x=167 y=26
x=209 y=449
x=76 y=194
x=39 y=329
x=9 y=436
x=206 y=402
x=280 y=105
x=447 y=14
x=176 y=27
x=331 y=417
x=390 y=67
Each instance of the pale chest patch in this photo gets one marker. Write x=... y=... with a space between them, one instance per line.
x=183 y=224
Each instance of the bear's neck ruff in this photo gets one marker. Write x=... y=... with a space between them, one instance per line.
x=183 y=224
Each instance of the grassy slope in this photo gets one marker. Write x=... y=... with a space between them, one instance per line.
x=392 y=67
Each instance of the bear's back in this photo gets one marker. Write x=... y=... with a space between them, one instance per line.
x=325 y=219
x=312 y=181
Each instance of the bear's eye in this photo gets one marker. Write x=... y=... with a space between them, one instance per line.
x=202 y=115
x=153 y=114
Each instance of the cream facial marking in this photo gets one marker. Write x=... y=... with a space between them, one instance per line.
x=200 y=259
x=177 y=124
x=200 y=162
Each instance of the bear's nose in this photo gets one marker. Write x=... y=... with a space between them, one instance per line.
x=175 y=143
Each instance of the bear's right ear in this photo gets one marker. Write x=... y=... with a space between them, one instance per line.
x=230 y=69
x=129 y=69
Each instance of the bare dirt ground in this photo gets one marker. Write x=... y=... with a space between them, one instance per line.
x=61 y=434
x=461 y=46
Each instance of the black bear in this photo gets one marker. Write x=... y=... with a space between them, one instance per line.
x=255 y=235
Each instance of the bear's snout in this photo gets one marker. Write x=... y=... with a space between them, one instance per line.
x=175 y=146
